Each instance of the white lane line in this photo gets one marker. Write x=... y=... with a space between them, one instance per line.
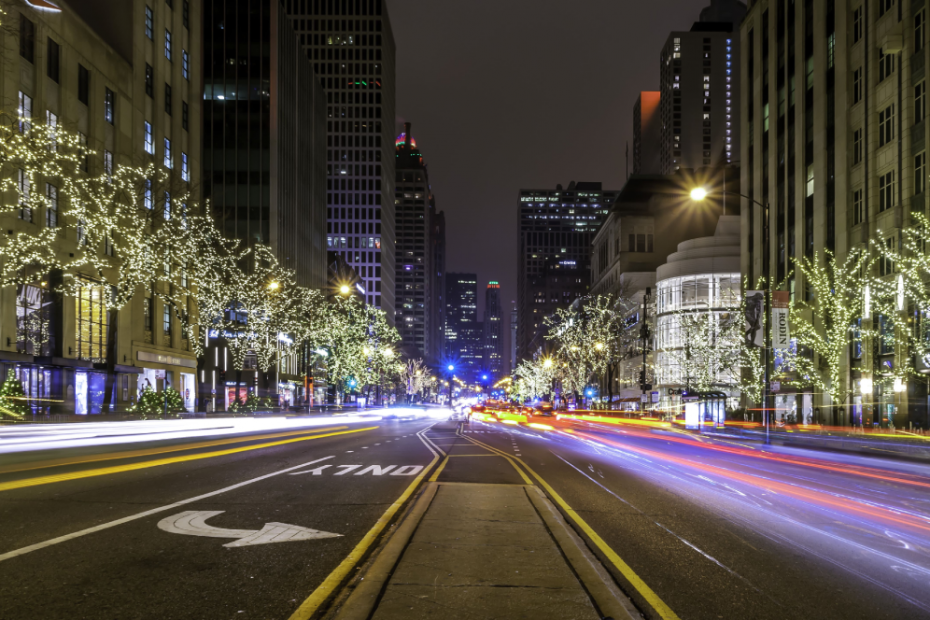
x=348 y=451
x=140 y=515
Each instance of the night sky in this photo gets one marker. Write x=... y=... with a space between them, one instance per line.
x=510 y=94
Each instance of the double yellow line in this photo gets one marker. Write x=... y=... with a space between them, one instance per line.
x=663 y=610
x=105 y=471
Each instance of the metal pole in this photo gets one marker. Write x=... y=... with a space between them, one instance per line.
x=644 y=332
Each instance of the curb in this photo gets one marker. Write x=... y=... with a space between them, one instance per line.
x=364 y=597
x=610 y=600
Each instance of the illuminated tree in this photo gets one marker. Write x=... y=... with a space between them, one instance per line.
x=13 y=402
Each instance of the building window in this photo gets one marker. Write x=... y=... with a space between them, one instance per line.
x=857 y=24
x=169 y=163
x=184 y=115
x=54 y=61
x=24 y=185
x=27 y=38
x=886 y=125
x=885 y=65
x=886 y=264
x=858 y=207
x=83 y=84
x=884 y=6
x=920 y=101
x=149 y=140
x=51 y=206
x=168 y=99
x=149 y=23
x=167 y=210
x=831 y=50
x=886 y=191
x=149 y=80
x=857 y=146
x=168 y=44
x=108 y=164
x=108 y=244
x=24 y=111
x=109 y=106
x=147 y=198
x=810 y=180
x=920 y=24
x=82 y=140
x=166 y=319
x=91 y=317
x=147 y=313
x=920 y=172
x=51 y=121
x=185 y=169
x=186 y=14
x=857 y=85
x=185 y=65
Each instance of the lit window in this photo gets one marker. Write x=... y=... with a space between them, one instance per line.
x=149 y=23
x=185 y=169
x=167 y=44
x=149 y=140
x=169 y=163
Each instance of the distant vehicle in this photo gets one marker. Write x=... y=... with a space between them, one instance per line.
x=543 y=409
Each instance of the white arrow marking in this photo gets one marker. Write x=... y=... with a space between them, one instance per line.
x=193 y=523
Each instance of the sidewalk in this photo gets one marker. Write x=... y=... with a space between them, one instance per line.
x=482 y=551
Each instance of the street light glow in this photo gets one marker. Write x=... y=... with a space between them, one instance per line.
x=344 y=289
x=698 y=193
x=450 y=367
x=547 y=363
x=274 y=286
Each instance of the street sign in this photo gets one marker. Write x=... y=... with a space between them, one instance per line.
x=780 y=333
x=193 y=523
x=776 y=386
x=655 y=397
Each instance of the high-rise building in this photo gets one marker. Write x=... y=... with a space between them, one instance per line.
x=647 y=134
x=463 y=334
x=127 y=78
x=414 y=206
x=834 y=139
x=513 y=338
x=493 y=332
x=699 y=81
x=554 y=251
x=352 y=49
x=437 y=287
x=265 y=135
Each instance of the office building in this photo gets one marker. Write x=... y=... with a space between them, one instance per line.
x=127 y=77
x=351 y=46
x=463 y=330
x=493 y=332
x=647 y=134
x=834 y=140
x=414 y=207
x=264 y=135
x=513 y=337
x=699 y=86
x=437 y=287
x=556 y=228
x=264 y=168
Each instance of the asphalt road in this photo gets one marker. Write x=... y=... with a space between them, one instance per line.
x=720 y=530
x=248 y=522
x=139 y=569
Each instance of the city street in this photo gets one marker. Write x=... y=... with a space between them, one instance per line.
x=230 y=529
x=147 y=556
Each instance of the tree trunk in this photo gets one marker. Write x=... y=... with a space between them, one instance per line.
x=110 y=380
x=610 y=386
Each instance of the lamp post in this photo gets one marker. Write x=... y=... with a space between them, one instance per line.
x=547 y=364
x=644 y=332
x=698 y=194
x=451 y=369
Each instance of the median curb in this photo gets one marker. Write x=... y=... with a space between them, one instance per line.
x=610 y=600
x=366 y=593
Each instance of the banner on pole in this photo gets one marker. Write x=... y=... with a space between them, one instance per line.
x=754 y=335
x=780 y=334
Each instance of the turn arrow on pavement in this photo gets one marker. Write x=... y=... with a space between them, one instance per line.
x=193 y=523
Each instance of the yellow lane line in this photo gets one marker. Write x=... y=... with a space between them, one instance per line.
x=439 y=470
x=104 y=471
x=664 y=611
x=129 y=454
x=499 y=453
x=474 y=455
x=335 y=578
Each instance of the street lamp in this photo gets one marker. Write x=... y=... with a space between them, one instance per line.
x=700 y=193
x=344 y=289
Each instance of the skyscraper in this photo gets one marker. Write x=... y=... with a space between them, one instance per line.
x=463 y=335
x=264 y=135
x=493 y=332
x=554 y=250
x=699 y=81
x=647 y=131
x=437 y=288
x=352 y=49
x=414 y=207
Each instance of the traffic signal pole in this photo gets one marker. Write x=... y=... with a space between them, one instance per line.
x=644 y=332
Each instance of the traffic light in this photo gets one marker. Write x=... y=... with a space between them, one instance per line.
x=642 y=378
x=222 y=377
